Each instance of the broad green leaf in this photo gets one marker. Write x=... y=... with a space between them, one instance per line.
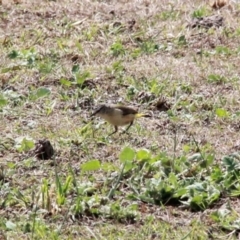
x=10 y=225
x=42 y=92
x=81 y=77
x=143 y=154
x=27 y=228
x=92 y=165
x=11 y=165
x=230 y=163
x=173 y=180
x=79 y=46
x=195 y=157
x=44 y=67
x=235 y=193
x=216 y=174
x=108 y=167
x=200 y=12
x=197 y=199
x=129 y=165
x=65 y=82
x=3 y=102
x=186 y=148
x=215 y=78
x=207 y=161
x=196 y=186
x=222 y=50
x=213 y=194
x=221 y=213
x=180 y=192
x=75 y=68
x=24 y=145
x=13 y=54
x=220 y=112
x=182 y=40
x=127 y=154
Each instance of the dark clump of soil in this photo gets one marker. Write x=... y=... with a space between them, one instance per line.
x=44 y=149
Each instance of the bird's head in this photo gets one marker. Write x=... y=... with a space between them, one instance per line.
x=101 y=109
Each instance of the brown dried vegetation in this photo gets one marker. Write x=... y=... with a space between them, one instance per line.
x=135 y=52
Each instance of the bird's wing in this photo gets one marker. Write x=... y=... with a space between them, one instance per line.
x=126 y=110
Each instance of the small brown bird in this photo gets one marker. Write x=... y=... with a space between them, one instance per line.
x=118 y=115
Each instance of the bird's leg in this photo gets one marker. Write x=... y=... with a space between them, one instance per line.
x=116 y=129
x=128 y=127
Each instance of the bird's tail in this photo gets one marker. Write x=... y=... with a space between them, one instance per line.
x=138 y=115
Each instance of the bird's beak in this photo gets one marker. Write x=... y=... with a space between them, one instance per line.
x=94 y=113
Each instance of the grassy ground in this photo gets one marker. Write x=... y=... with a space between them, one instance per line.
x=175 y=176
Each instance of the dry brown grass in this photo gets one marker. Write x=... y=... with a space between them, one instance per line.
x=82 y=32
